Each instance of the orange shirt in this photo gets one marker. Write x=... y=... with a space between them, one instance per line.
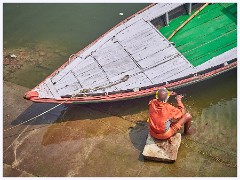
x=161 y=112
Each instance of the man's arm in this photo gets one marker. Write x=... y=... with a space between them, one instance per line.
x=180 y=104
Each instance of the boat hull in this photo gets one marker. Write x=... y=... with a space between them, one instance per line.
x=201 y=76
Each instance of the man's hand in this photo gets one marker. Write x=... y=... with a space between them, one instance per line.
x=172 y=93
x=179 y=97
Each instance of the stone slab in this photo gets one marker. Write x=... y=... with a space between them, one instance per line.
x=162 y=150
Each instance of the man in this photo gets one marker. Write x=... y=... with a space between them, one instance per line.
x=164 y=119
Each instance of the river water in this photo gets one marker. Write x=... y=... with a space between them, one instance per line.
x=50 y=33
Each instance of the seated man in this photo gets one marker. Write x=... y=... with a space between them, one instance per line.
x=164 y=119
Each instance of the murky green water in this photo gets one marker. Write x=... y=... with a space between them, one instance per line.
x=51 y=32
x=71 y=25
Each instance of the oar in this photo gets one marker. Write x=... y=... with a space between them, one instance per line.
x=185 y=22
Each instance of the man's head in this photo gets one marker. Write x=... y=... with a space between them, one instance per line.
x=163 y=94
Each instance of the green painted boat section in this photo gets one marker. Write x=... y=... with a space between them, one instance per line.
x=210 y=33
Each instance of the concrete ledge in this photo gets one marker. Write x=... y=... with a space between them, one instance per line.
x=162 y=150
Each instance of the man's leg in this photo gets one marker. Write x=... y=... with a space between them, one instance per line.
x=186 y=121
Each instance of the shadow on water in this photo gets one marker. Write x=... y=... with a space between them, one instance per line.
x=74 y=122
x=138 y=136
x=37 y=108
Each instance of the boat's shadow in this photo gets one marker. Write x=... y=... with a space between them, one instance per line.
x=74 y=112
x=37 y=114
x=74 y=122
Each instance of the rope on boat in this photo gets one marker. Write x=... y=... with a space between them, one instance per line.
x=185 y=22
x=86 y=91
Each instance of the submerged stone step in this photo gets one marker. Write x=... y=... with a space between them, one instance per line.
x=162 y=150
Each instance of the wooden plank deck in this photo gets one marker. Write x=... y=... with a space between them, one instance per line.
x=134 y=48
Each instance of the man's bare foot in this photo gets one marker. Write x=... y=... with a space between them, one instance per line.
x=190 y=131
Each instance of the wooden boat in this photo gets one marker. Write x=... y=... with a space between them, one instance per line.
x=136 y=57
